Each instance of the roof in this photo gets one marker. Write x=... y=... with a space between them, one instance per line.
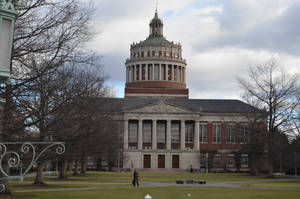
x=204 y=105
x=156 y=40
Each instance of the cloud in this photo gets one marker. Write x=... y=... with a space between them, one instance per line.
x=220 y=38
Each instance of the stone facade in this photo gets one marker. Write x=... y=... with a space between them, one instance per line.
x=186 y=147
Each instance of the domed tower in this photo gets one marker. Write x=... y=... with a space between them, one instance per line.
x=155 y=67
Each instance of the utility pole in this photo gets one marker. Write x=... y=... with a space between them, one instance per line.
x=295 y=157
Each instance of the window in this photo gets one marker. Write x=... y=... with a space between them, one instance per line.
x=244 y=134
x=161 y=131
x=175 y=131
x=230 y=133
x=147 y=131
x=203 y=133
x=156 y=53
x=230 y=160
x=189 y=131
x=244 y=160
x=217 y=133
x=156 y=72
x=150 y=72
x=168 y=54
x=169 y=72
x=137 y=72
x=216 y=160
x=148 y=53
x=133 y=131
x=175 y=73
x=163 y=68
x=142 y=54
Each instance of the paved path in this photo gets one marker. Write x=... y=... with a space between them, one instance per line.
x=236 y=184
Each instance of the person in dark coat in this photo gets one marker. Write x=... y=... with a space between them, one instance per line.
x=135 y=181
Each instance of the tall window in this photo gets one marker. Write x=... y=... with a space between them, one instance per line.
x=217 y=133
x=203 y=133
x=244 y=160
x=143 y=72
x=156 y=72
x=216 y=160
x=169 y=72
x=175 y=131
x=137 y=72
x=230 y=133
x=132 y=131
x=244 y=134
x=161 y=131
x=163 y=72
x=230 y=159
x=189 y=131
x=150 y=72
x=147 y=131
x=175 y=73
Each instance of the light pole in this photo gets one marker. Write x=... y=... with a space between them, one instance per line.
x=295 y=156
x=8 y=15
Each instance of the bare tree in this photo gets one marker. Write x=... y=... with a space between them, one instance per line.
x=48 y=35
x=270 y=88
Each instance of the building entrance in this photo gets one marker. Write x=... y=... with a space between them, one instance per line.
x=161 y=161
x=147 y=161
x=175 y=161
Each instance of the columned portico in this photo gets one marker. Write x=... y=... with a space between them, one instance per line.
x=140 y=134
x=196 y=138
x=154 y=135
x=168 y=134
x=182 y=135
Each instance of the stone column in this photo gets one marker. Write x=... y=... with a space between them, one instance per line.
x=140 y=72
x=160 y=73
x=140 y=134
x=166 y=72
x=172 y=73
x=154 y=135
x=178 y=74
x=182 y=135
x=169 y=135
x=146 y=71
x=183 y=74
x=196 y=136
x=125 y=144
x=153 y=65
x=134 y=73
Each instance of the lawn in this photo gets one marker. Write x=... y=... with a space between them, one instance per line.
x=169 y=193
x=115 y=185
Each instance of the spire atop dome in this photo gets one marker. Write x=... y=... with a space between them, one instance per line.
x=156 y=25
x=156 y=13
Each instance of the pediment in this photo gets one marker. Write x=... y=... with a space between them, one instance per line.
x=162 y=107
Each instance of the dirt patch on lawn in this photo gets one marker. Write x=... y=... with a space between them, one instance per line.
x=38 y=186
x=13 y=196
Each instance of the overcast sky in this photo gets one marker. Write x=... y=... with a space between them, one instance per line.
x=220 y=38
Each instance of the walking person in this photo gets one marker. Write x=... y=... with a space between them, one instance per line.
x=135 y=181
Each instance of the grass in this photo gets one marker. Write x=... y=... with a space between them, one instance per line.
x=169 y=193
x=102 y=180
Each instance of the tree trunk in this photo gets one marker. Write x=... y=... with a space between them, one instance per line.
x=99 y=164
x=75 y=172
x=39 y=174
x=83 y=165
x=271 y=165
x=63 y=169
